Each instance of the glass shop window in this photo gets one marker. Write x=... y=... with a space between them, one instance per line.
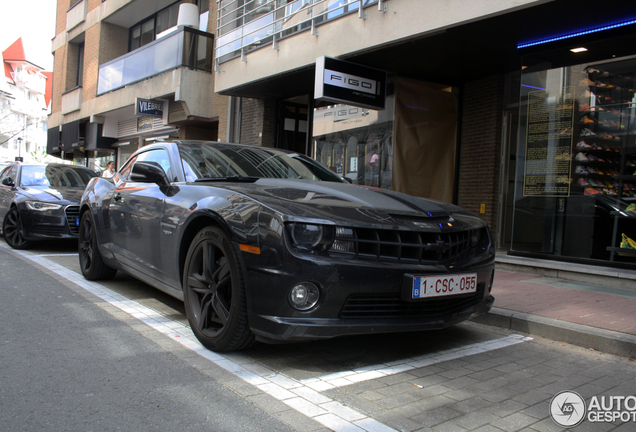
x=575 y=187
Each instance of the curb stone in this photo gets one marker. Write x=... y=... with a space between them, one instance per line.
x=607 y=341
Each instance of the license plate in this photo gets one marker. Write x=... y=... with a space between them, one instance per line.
x=443 y=285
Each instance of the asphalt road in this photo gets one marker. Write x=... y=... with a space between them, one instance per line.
x=118 y=355
x=69 y=365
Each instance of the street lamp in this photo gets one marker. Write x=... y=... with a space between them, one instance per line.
x=19 y=157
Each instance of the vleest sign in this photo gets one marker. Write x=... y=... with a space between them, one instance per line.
x=349 y=83
x=149 y=107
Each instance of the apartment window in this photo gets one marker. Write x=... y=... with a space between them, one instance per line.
x=152 y=27
x=167 y=18
x=142 y=34
x=80 y=65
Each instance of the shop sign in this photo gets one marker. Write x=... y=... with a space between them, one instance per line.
x=144 y=123
x=349 y=83
x=149 y=107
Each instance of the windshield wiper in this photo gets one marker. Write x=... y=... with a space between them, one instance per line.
x=241 y=179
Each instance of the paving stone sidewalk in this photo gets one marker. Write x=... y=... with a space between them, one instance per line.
x=583 y=314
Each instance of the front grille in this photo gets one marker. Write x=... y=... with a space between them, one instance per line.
x=403 y=246
x=49 y=230
x=72 y=214
x=389 y=306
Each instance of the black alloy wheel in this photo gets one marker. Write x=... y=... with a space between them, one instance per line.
x=12 y=230
x=91 y=263
x=214 y=293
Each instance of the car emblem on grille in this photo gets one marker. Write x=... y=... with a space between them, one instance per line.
x=440 y=246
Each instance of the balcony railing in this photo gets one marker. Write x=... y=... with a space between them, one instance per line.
x=249 y=25
x=184 y=47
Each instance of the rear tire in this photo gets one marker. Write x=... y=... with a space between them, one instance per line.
x=91 y=263
x=12 y=230
x=214 y=292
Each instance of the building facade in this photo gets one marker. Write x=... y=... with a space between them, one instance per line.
x=487 y=104
x=129 y=72
x=484 y=103
x=25 y=93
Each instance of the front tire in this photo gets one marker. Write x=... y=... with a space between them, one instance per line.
x=90 y=259
x=214 y=293
x=12 y=230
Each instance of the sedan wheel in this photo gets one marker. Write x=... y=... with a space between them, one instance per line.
x=12 y=229
x=91 y=263
x=214 y=293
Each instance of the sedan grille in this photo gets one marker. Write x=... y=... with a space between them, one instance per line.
x=389 y=306
x=404 y=246
x=72 y=214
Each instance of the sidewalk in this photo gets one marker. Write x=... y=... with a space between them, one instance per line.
x=599 y=315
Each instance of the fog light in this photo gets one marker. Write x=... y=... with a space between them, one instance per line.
x=304 y=296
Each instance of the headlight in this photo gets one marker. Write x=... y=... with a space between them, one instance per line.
x=42 y=206
x=311 y=236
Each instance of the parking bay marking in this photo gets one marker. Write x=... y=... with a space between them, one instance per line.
x=304 y=395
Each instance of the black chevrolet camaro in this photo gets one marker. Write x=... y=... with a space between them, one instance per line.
x=268 y=245
x=41 y=202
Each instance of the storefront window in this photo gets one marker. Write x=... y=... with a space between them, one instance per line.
x=575 y=188
x=355 y=143
x=98 y=160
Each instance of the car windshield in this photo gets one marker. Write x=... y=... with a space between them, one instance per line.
x=215 y=160
x=55 y=176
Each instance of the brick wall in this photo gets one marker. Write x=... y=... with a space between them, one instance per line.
x=59 y=79
x=258 y=122
x=480 y=146
x=60 y=22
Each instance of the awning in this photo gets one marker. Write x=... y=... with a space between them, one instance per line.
x=70 y=136
x=53 y=140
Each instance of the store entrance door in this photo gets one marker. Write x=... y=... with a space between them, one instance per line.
x=292 y=127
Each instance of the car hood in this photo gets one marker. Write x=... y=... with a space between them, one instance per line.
x=58 y=195
x=346 y=204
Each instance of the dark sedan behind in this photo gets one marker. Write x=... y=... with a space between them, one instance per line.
x=40 y=202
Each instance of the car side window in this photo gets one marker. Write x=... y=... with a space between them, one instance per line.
x=125 y=171
x=160 y=156
x=10 y=172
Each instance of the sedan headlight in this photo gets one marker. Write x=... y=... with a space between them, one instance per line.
x=311 y=236
x=42 y=206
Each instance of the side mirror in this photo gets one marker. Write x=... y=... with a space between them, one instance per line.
x=149 y=172
x=8 y=181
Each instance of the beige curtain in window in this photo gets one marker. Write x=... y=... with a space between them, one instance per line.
x=425 y=140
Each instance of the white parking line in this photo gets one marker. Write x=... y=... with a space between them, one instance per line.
x=303 y=396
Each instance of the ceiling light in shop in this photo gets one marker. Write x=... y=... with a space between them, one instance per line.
x=578 y=50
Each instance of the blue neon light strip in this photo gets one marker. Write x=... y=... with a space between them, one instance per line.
x=580 y=33
x=532 y=87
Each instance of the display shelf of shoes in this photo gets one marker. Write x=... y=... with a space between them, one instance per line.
x=605 y=119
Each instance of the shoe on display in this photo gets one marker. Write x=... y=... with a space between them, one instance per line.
x=627 y=243
x=582 y=145
x=580 y=169
x=581 y=157
x=586 y=120
x=587 y=132
x=582 y=182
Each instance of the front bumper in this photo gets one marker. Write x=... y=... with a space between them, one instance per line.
x=356 y=298
x=62 y=224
